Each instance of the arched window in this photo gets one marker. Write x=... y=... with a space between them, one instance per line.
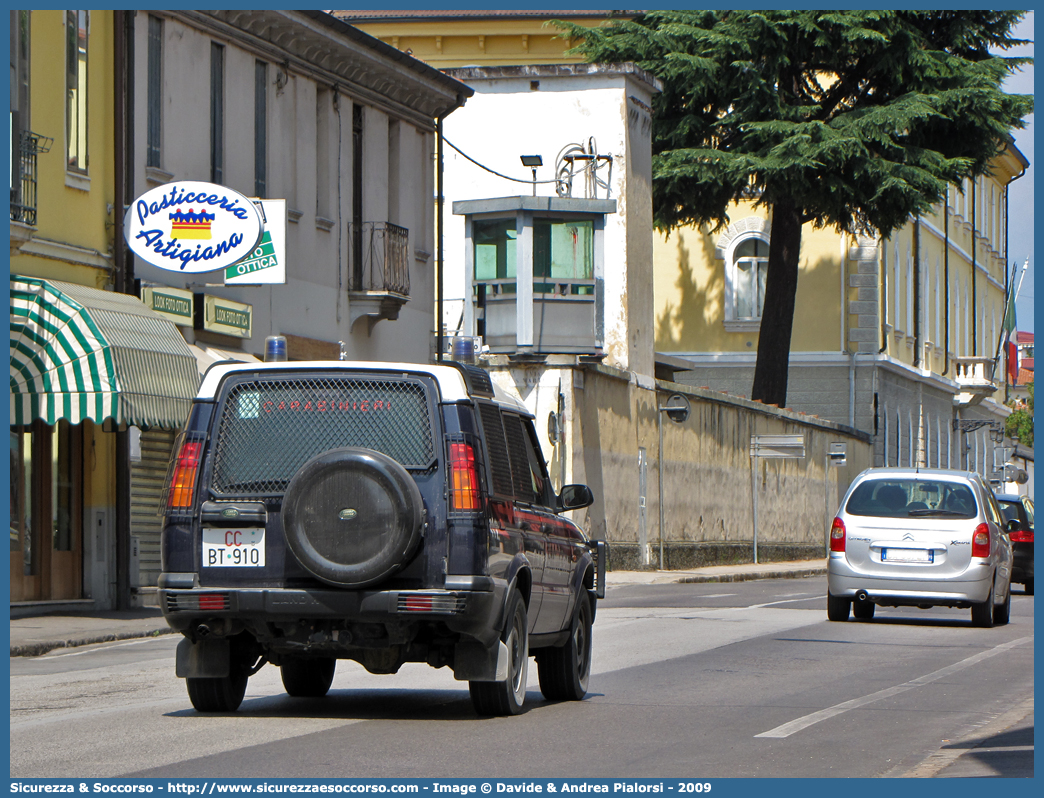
x=749 y=264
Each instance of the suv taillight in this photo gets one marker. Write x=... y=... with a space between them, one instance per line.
x=183 y=481
x=981 y=541
x=837 y=535
x=1021 y=536
x=464 y=491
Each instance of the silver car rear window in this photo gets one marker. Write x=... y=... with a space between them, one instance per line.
x=905 y=498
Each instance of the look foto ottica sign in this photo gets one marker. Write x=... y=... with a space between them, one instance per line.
x=192 y=227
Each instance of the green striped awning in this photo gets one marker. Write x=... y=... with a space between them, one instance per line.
x=79 y=353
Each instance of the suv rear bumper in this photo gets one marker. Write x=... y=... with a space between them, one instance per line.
x=472 y=614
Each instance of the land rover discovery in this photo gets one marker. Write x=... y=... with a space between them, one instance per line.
x=377 y=512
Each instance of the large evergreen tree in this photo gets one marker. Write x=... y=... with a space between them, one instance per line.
x=850 y=119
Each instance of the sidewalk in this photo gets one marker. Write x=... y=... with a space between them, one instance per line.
x=37 y=635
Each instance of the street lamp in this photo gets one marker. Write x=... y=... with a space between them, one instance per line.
x=532 y=161
x=677 y=410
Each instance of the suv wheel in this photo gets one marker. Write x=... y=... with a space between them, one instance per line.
x=982 y=614
x=837 y=608
x=308 y=677
x=507 y=697
x=564 y=671
x=223 y=694
x=1028 y=585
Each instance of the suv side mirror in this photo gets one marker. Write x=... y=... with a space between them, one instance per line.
x=1012 y=526
x=575 y=497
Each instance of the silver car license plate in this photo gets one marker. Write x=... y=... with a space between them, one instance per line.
x=907 y=555
x=234 y=548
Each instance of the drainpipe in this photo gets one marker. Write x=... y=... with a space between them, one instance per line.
x=946 y=283
x=1007 y=254
x=974 y=248
x=884 y=303
x=438 y=243
x=122 y=286
x=917 y=331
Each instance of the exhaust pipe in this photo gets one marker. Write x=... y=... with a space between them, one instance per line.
x=861 y=596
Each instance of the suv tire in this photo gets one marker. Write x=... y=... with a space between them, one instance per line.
x=307 y=677
x=352 y=517
x=507 y=697
x=565 y=671
x=223 y=694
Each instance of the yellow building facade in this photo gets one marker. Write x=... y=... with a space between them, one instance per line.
x=79 y=351
x=72 y=237
x=449 y=39
x=62 y=230
x=895 y=337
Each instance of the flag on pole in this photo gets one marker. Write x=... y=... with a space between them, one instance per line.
x=1012 y=352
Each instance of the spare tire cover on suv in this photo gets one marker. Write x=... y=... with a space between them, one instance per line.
x=352 y=516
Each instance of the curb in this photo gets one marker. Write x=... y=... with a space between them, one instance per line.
x=44 y=646
x=932 y=765
x=802 y=573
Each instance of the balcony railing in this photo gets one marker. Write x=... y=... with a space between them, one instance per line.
x=23 y=181
x=380 y=258
x=974 y=377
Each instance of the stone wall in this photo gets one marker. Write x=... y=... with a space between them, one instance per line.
x=610 y=426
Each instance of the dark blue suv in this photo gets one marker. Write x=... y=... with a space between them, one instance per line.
x=378 y=512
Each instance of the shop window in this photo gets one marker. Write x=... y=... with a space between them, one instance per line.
x=46 y=510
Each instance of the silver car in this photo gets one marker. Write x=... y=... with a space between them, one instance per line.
x=923 y=538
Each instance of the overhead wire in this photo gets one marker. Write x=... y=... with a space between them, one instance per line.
x=494 y=171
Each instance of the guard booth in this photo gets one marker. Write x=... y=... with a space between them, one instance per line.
x=534 y=273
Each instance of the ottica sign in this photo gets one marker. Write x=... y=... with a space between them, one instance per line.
x=191 y=227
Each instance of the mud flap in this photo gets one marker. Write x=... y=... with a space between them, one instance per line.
x=206 y=659
x=473 y=662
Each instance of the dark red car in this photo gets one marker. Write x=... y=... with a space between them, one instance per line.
x=1018 y=514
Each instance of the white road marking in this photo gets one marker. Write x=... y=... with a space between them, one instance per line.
x=100 y=647
x=807 y=597
x=793 y=726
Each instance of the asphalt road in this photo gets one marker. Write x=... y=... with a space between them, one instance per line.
x=690 y=681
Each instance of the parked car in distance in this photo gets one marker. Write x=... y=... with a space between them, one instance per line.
x=377 y=512
x=923 y=538
x=1018 y=515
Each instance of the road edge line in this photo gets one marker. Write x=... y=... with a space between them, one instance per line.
x=934 y=763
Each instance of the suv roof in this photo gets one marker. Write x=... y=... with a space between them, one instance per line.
x=453 y=381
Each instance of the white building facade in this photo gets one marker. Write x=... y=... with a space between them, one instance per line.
x=302 y=107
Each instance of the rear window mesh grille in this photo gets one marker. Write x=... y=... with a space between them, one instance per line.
x=269 y=429
x=499 y=463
